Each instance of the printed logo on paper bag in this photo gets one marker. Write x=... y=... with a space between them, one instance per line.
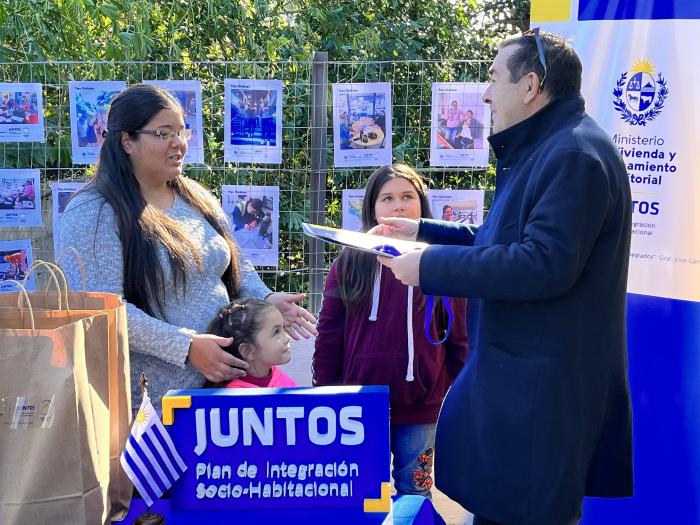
x=641 y=98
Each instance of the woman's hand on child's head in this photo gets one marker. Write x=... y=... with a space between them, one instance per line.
x=298 y=322
x=217 y=365
x=397 y=227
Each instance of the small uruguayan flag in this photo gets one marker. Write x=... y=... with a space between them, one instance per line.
x=149 y=458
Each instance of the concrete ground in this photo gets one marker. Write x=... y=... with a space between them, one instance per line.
x=300 y=369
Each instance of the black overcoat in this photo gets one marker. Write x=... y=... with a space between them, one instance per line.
x=541 y=415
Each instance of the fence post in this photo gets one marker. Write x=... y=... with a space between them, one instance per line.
x=319 y=125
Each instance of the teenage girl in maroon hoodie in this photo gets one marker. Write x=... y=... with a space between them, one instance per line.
x=371 y=332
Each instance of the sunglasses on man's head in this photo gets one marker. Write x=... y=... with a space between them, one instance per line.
x=540 y=52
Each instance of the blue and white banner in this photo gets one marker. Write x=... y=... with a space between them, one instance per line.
x=639 y=84
x=639 y=77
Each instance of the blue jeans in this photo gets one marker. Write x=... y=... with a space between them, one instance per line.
x=412 y=447
x=451 y=134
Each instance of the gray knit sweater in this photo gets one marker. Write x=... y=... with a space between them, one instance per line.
x=158 y=346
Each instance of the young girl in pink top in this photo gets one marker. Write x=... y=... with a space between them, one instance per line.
x=259 y=339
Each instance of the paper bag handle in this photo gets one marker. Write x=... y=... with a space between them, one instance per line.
x=59 y=271
x=35 y=266
x=78 y=258
x=53 y=270
x=23 y=294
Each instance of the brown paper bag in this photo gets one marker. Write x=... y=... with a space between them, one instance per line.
x=115 y=391
x=118 y=387
x=55 y=466
x=120 y=487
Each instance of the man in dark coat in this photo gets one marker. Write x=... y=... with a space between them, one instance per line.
x=540 y=416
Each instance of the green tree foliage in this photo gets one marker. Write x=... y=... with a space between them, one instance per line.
x=265 y=30
x=410 y=43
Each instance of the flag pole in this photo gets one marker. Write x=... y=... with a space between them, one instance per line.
x=148 y=517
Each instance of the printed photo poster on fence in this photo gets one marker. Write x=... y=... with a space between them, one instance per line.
x=362 y=124
x=463 y=206
x=89 y=105
x=352 y=209
x=460 y=123
x=644 y=96
x=15 y=259
x=21 y=112
x=61 y=194
x=253 y=213
x=189 y=94
x=253 y=121
x=20 y=198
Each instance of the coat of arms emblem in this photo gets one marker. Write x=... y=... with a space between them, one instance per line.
x=640 y=97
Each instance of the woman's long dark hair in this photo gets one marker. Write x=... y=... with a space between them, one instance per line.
x=142 y=226
x=356 y=270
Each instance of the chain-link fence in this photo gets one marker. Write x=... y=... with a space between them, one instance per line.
x=310 y=187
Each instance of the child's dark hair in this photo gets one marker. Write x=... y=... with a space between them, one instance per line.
x=240 y=320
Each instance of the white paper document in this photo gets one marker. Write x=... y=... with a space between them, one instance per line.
x=189 y=94
x=253 y=121
x=89 y=105
x=20 y=198
x=253 y=213
x=460 y=125
x=15 y=259
x=61 y=194
x=352 y=209
x=376 y=244
x=21 y=112
x=362 y=124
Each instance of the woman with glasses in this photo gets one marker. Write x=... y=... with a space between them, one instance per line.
x=163 y=242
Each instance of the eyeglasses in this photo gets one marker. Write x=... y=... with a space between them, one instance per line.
x=540 y=52
x=168 y=135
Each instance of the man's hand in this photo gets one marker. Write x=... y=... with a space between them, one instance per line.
x=397 y=227
x=405 y=267
x=298 y=322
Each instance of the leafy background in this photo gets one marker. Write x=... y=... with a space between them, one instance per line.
x=408 y=43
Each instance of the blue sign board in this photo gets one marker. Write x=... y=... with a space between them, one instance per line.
x=272 y=454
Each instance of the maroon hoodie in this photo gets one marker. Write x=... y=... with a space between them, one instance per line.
x=351 y=349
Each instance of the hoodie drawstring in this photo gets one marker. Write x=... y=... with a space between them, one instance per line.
x=409 y=329
x=375 y=294
x=409 y=318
